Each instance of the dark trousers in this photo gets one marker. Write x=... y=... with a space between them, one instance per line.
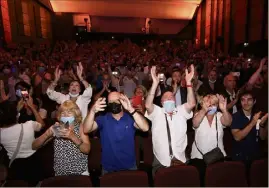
x=156 y=165
x=201 y=167
x=28 y=169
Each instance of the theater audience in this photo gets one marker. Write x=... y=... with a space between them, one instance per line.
x=74 y=91
x=71 y=145
x=117 y=129
x=169 y=140
x=138 y=100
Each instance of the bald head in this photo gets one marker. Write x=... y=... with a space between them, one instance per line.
x=114 y=97
x=230 y=82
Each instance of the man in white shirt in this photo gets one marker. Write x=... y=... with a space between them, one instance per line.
x=74 y=89
x=169 y=123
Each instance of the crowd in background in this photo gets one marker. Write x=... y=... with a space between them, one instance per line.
x=70 y=92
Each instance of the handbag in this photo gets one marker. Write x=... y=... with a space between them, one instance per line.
x=13 y=157
x=215 y=154
x=174 y=161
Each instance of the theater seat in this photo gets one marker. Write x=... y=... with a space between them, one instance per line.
x=177 y=176
x=258 y=175
x=226 y=174
x=125 y=179
x=15 y=183
x=94 y=157
x=67 y=181
x=148 y=150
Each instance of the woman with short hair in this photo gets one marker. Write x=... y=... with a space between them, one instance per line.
x=71 y=145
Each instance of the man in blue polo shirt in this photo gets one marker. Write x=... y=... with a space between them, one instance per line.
x=117 y=130
x=246 y=132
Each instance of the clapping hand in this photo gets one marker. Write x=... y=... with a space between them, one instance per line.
x=99 y=105
x=206 y=104
x=80 y=71
x=264 y=119
x=57 y=74
x=189 y=75
x=222 y=103
x=154 y=76
x=126 y=103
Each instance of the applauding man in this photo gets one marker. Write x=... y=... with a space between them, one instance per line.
x=117 y=130
x=169 y=124
x=74 y=91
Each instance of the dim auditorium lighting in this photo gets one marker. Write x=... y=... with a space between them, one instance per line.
x=145 y=49
x=76 y=33
x=112 y=37
x=249 y=60
x=245 y=44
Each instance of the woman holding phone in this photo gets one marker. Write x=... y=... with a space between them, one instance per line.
x=138 y=100
x=71 y=145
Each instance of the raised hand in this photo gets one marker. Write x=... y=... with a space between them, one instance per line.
x=29 y=102
x=256 y=117
x=154 y=76
x=126 y=103
x=263 y=61
x=57 y=74
x=80 y=71
x=206 y=104
x=222 y=103
x=99 y=105
x=189 y=75
x=264 y=119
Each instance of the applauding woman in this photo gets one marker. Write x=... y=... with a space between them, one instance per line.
x=71 y=145
x=208 y=124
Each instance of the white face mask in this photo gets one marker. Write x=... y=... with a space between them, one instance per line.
x=212 y=82
x=73 y=95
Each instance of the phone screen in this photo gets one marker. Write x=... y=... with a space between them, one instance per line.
x=25 y=94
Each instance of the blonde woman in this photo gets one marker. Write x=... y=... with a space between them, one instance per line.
x=71 y=145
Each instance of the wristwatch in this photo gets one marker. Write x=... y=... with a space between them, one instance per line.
x=133 y=112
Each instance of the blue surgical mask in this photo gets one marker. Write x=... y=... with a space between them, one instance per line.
x=18 y=93
x=212 y=110
x=169 y=106
x=70 y=120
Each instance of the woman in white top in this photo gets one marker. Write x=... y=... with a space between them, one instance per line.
x=17 y=140
x=204 y=124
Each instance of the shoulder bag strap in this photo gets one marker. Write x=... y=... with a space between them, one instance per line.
x=18 y=147
x=169 y=137
x=217 y=131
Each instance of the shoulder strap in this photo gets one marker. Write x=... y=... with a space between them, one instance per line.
x=217 y=130
x=18 y=147
x=169 y=137
x=217 y=137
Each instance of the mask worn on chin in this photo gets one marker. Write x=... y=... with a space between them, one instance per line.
x=114 y=108
x=212 y=110
x=18 y=93
x=73 y=95
x=169 y=106
x=70 y=120
x=212 y=82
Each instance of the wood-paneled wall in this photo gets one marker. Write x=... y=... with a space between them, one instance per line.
x=231 y=22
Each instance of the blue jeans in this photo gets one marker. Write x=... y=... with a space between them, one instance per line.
x=106 y=172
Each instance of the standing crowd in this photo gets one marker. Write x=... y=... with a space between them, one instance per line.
x=69 y=93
